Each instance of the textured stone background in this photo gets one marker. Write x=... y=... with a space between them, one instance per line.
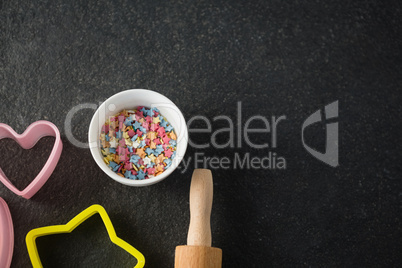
x=276 y=57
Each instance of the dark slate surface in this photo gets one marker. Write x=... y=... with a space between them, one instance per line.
x=277 y=58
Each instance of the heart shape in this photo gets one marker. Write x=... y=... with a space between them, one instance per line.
x=6 y=235
x=70 y=226
x=27 y=140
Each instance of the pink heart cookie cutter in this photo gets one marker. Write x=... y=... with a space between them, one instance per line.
x=27 y=140
x=6 y=235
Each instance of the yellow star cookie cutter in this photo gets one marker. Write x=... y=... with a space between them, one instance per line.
x=70 y=226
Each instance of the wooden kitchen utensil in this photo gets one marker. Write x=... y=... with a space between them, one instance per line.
x=198 y=253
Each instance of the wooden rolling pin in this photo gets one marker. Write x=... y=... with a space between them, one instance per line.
x=198 y=253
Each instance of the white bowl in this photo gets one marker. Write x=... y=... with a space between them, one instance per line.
x=131 y=99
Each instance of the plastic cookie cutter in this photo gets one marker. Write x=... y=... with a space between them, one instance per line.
x=6 y=235
x=70 y=226
x=27 y=140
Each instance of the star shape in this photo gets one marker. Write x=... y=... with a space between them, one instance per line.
x=113 y=165
x=128 y=166
x=172 y=142
x=146 y=125
x=161 y=131
x=156 y=120
x=145 y=111
x=151 y=112
x=70 y=226
x=161 y=157
x=147 y=160
x=158 y=150
x=151 y=164
x=129 y=142
x=151 y=171
x=139 y=132
x=127 y=174
x=148 y=119
x=147 y=141
x=163 y=123
x=143 y=129
x=152 y=157
x=137 y=125
x=151 y=135
x=107 y=159
x=131 y=133
x=149 y=151
x=113 y=143
x=152 y=145
x=122 y=157
x=168 y=128
x=154 y=127
x=122 y=142
x=139 y=114
x=136 y=144
x=159 y=168
x=140 y=162
x=140 y=152
x=127 y=122
x=116 y=158
x=118 y=134
x=142 y=144
x=141 y=175
x=168 y=153
x=166 y=139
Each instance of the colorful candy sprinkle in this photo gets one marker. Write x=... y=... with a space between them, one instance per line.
x=138 y=144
